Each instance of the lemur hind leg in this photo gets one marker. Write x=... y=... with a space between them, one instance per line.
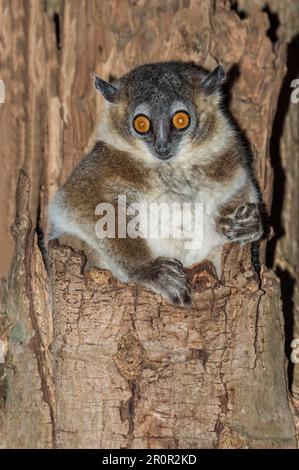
x=163 y=275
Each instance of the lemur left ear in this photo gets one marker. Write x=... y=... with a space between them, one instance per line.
x=214 y=79
x=108 y=90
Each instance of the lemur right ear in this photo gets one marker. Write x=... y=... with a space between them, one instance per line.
x=108 y=91
x=214 y=79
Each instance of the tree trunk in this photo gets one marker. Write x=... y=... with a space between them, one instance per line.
x=92 y=362
x=283 y=249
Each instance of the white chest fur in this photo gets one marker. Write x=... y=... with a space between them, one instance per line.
x=187 y=231
x=181 y=228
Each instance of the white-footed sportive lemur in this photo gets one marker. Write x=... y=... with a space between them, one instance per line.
x=163 y=137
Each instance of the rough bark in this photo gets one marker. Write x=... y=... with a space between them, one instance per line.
x=286 y=142
x=284 y=148
x=98 y=363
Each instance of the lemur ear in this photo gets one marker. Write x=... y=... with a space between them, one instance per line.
x=112 y=78
x=214 y=79
x=108 y=91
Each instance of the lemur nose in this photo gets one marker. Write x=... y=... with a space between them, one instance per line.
x=162 y=147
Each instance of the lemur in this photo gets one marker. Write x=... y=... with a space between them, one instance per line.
x=163 y=137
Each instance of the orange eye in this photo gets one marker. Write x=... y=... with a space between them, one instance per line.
x=141 y=124
x=181 y=120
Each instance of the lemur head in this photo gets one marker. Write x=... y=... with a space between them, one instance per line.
x=160 y=108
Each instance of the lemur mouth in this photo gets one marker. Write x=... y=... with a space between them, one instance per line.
x=164 y=157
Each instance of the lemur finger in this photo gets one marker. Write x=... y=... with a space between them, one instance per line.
x=252 y=233
x=244 y=211
x=180 y=298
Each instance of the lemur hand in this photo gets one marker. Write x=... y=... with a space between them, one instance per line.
x=244 y=224
x=168 y=278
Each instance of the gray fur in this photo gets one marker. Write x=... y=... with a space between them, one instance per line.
x=204 y=163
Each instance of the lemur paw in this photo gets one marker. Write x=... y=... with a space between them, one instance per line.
x=168 y=278
x=243 y=225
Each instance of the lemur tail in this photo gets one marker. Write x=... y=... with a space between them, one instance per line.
x=255 y=256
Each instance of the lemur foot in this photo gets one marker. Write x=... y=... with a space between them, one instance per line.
x=243 y=225
x=168 y=278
